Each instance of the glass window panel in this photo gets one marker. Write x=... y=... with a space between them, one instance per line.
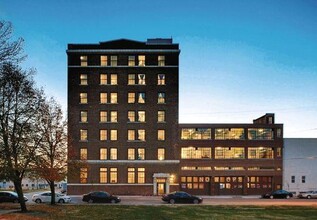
x=114 y=116
x=141 y=175
x=83 y=175
x=83 y=153
x=260 y=153
x=131 y=116
x=161 y=60
x=131 y=135
x=103 y=60
x=161 y=116
x=113 y=175
x=83 y=61
x=103 y=175
x=141 y=79
x=131 y=154
x=195 y=133
x=141 y=116
x=229 y=134
x=83 y=79
x=103 y=97
x=161 y=97
x=131 y=61
x=141 y=154
x=83 y=116
x=83 y=135
x=131 y=79
x=103 y=79
x=131 y=175
x=113 y=135
x=113 y=79
x=141 y=97
x=103 y=134
x=103 y=116
x=141 y=135
x=161 y=135
x=141 y=59
x=113 y=60
x=131 y=97
x=103 y=153
x=161 y=153
x=113 y=153
x=161 y=79
x=83 y=98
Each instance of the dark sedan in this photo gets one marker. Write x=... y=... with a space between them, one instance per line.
x=102 y=197
x=278 y=194
x=181 y=197
x=9 y=196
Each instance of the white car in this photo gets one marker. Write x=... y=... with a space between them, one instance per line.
x=46 y=197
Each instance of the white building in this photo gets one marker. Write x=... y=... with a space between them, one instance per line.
x=300 y=162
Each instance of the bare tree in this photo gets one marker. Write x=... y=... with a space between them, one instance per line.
x=10 y=51
x=19 y=105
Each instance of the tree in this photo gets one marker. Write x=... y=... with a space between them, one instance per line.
x=19 y=105
x=51 y=156
x=10 y=51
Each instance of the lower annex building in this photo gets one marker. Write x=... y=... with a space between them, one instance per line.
x=123 y=126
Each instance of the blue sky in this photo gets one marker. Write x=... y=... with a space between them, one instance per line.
x=239 y=59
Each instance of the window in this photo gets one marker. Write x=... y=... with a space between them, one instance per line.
x=103 y=175
x=103 y=60
x=103 y=134
x=259 y=182
x=161 y=135
x=141 y=175
x=229 y=153
x=131 y=97
x=113 y=97
x=83 y=153
x=161 y=116
x=260 y=134
x=131 y=135
x=141 y=116
x=279 y=152
x=161 y=79
x=229 y=134
x=83 y=79
x=131 y=61
x=113 y=154
x=103 y=79
x=83 y=61
x=260 y=153
x=141 y=154
x=103 y=153
x=103 y=97
x=131 y=116
x=131 y=154
x=83 y=116
x=83 y=98
x=303 y=179
x=195 y=152
x=113 y=60
x=279 y=133
x=114 y=116
x=131 y=175
x=161 y=153
x=114 y=79
x=141 y=97
x=83 y=175
x=113 y=135
x=113 y=175
x=103 y=116
x=292 y=179
x=161 y=60
x=141 y=135
x=195 y=133
x=83 y=135
x=161 y=98
x=131 y=79
x=141 y=79
x=141 y=59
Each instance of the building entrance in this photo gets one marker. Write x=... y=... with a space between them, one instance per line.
x=161 y=183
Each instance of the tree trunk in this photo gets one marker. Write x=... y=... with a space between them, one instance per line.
x=18 y=189
x=52 y=187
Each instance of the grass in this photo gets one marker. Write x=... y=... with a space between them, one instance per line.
x=168 y=212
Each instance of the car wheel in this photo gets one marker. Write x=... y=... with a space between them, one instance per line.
x=38 y=201
x=90 y=201
x=15 y=201
x=308 y=197
x=172 y=201
x=287 y=197
x=271 y=197
x=113 y=201
x=196 y=201
x=61 y=201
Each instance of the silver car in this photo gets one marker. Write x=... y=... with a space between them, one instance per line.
x=46 y=197
x=308 y=195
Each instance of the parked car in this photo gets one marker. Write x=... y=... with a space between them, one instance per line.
x=46 y=197
x=9 y=196
x=103 y=197
x=308 y=195
x=278 y=194
x=181 y=197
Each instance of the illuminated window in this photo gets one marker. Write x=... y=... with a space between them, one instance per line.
x=103 y=97
x=141 y=79
x=131 y=135
x=131 y=154
x=131 y=61
x=131 y=79
x=141 y=59
x=103 y=134
x=114 y=116
x=83 y=61
x=113 y=60
x=141 y=97
x=161 y=116
x=83 y=116
x=141 y=175
x=229 y=133
x=114 y=79
x=83 y=79
x=113 y=154
x=141 y=135
x=131 y=116
x=260 y=134
x=131 y=175
x=103 y=175
x=196 y=133
x=161 y=79
x=131 y=97
x=114 y=97
x=83 y=175
x=161 y=153
x=161 y=60
x=83 y=153
x=83 y=135
x=113 y=135
x=229 y=153
x=141 y=116
x=113 y=175
x=103 y=153
x=195 y=153
x=161 y=98
x=161 y=135
x=260 y=153
x=103 y=60
x=83 y=98
x=141 y=154
x=103 y=79
x=103 y=116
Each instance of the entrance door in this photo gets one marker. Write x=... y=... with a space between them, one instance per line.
x=161 y=188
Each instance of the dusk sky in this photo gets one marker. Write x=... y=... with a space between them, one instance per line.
x=239 y=59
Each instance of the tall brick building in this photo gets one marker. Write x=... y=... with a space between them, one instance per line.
x=123 y=122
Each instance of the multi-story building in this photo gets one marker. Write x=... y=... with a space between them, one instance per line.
x=123 y=123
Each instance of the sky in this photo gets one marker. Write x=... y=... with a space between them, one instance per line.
x=239 y=59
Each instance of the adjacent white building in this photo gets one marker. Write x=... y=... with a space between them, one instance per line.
x=300 y=164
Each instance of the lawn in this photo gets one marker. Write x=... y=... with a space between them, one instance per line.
x=168 y=212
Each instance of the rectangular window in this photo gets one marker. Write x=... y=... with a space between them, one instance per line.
x=161 y=98
x=131 y=97
x=303 y=179
x=83 y=61
x=131 y=61
x=141 y=116
x=141 y=154
x=141 y=135
x=161 y=153
x=131 y=175
x=141 y=79
x=113 y=60
x=113 y=135
x=103 y=116
x=103 y=153
x=141 y=175
x=103 y=134
x=279 y=133
x=260 y=134
x=229 y=134
x=83 y=116
x=84 y=135
x=103 y=60
x=103 y=97
x=113 y=97
x=113 y=175
x=83 y=98
x=229 y=153
x=161 y=135
x=131 y=135
x=114 y=116
x=141 y=97
x=113 y=154
x=114 y=79
x=141 y=59
x=131 y=154
x=161 y=116
x=279 y=152
x=131 y=116
x=196 y=152
x=83 y=153
x=260 y=153
x=161 y=60
x=161 y=79
x=292 y=179
x=83 y=175
x=195 y=133
x=83 y=79
x=103 y=175
x=131 y=79
x=103 y=79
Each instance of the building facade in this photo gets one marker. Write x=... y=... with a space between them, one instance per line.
x=123 y=125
